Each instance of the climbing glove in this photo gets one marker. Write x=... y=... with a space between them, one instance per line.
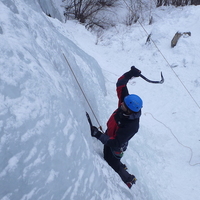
x=95 y=132
x=135 y=72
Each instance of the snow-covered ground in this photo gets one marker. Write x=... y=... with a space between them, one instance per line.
x=46 y=151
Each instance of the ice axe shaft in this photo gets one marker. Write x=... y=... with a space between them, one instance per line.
x=150 y=81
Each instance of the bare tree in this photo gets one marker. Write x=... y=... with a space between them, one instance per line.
x=86 y=10
x=162 y=3
x=195 y=2
x=138 y=9
x=177 y=2
x=132 y=15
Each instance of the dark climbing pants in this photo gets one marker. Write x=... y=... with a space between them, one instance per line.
x=115 y=163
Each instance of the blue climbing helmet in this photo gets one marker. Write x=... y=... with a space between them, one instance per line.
x=133 y=102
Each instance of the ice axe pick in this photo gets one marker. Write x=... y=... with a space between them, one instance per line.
x=150 y=81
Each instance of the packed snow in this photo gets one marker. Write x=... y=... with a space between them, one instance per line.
x=53 y=72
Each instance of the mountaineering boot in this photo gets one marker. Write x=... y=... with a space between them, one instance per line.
x=124 y=166
x=132 y=181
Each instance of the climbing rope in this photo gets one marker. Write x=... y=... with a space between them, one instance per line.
x=82 y=90
x=190 y=149
x=164 y=58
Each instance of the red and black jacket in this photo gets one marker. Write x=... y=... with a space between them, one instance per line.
x=120 y=128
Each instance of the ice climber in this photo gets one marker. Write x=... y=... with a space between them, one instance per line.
x=122 y=125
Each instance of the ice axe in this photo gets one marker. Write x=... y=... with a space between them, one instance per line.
x=150 y=81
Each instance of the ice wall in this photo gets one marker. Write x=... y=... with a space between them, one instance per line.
x=52 y=8
x=45 y=149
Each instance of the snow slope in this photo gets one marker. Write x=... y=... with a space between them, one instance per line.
x=46 y=151
x=169 y=133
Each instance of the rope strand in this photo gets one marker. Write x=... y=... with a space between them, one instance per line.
x=191 y=152
x=82 y=91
